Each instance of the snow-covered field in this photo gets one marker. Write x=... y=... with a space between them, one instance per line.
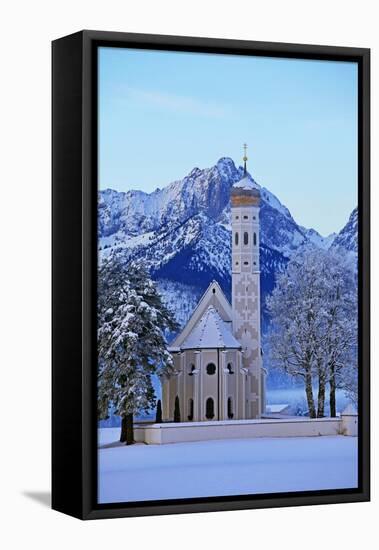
x=227 y=467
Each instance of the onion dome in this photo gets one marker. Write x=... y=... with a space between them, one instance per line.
x=245 y=192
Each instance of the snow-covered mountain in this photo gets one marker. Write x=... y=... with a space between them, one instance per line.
x=135 y=213
x=182 y=233
x=320 y=242
x=347 y=238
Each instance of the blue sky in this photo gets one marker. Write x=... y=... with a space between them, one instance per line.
x=163 y=113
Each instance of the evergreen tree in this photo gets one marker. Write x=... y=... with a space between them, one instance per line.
x=131 y=343
x=158 y=416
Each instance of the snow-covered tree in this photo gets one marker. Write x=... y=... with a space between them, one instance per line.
x=293 y=310
x=131 y=343
x=350 y=384
x=338 y=345
x=313 y=323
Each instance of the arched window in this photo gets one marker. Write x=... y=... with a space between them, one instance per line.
x=211 y=368
x=190 y=409
x=230 y=408
x=236 y=239
x=246 y=238
x=192 y=368
x=177 y=410
x=230 y=368
x=209 y=408
x=255 y=239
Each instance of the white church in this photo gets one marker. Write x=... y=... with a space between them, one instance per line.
x=217 y=356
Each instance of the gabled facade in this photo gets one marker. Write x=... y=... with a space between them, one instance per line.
x=209 y=380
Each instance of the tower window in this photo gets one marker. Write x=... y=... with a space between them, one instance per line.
x=211 y=368
x=236 y=239
x=237 y=217
x=246 y=217
x=254 y=218
x=245 y=263
x=230 y=408
x=237 y=263
x=192 y=368
x=255 y=239
x=190 y=409
x=230 y=368
x=246 y=238
x=209 y=408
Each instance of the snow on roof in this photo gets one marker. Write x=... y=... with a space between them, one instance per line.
x=277 y=408
x=210 y=332
x=212 y=296
x=246 y=183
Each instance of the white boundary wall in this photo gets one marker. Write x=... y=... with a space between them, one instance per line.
x=159 y=434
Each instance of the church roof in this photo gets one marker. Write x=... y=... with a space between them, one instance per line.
x=210 y=332
x=246 y=183
x=213 y=296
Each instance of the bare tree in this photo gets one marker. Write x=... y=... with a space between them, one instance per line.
x=313 y=323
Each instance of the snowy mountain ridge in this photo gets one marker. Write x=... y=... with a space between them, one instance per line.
x=207 y=190
x=182 y=233
x=315 y=238
x=347 y=238
x=132 y=213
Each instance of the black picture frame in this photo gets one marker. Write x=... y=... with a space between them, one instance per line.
x=74 y=205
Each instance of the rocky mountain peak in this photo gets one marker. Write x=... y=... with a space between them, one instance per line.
x=182 y=232
x=347 y=238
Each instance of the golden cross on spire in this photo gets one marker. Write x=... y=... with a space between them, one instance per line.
x=244 y=157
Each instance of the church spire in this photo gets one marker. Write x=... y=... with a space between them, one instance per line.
x=244 y=158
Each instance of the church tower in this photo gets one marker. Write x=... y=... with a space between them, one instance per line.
x=245 y=203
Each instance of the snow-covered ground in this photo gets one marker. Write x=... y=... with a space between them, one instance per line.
x=227 y=467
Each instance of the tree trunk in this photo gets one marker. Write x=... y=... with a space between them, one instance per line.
x=332 y=394
x=127 y=432
x=123 y=429
x=321 y=398
x=309 y=394
x=129 y=429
